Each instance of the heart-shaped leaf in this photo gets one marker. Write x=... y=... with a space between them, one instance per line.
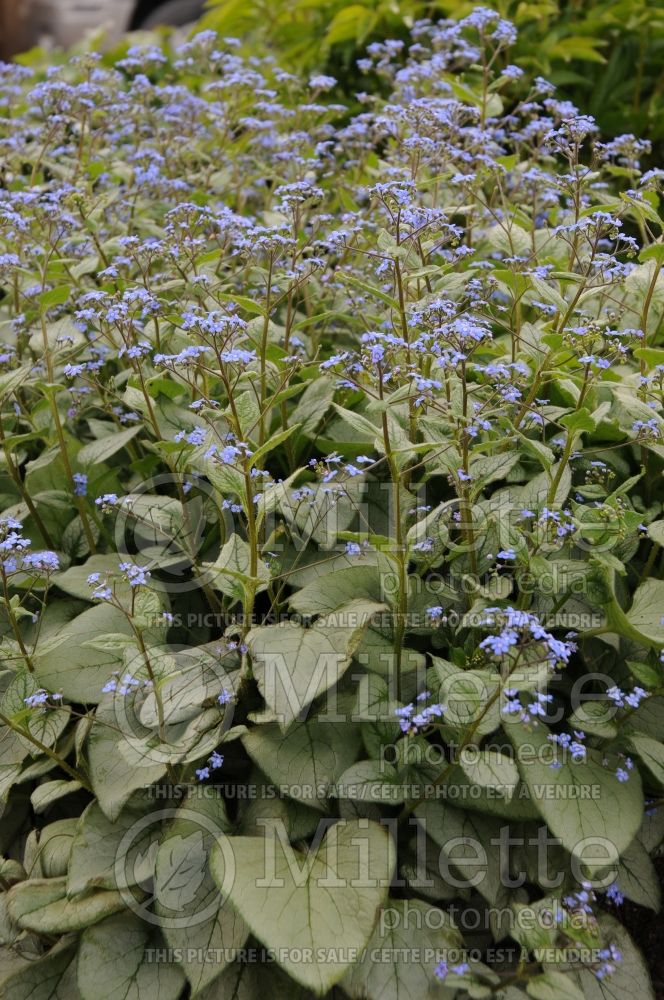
x=326 y=901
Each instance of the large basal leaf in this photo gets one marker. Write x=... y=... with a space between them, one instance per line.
x=254 y=981
x=306 y=758
x=579 y=799
x=49 y=792
x=40 y=905
x=631 y=977
x=96 y=849
x=651 y=752
x=46 y=726
x=293 y=664
x=637 y=877
x=335 y=589
x=51 y=977
x=74 y=581
x=120 y=959
x=553 y=985
x=119 y=762
x=327 y=900
x=647 y=611
x=55 y=841
x=643 y=622
x=469 y=848
x=76 y=670
x=231 y=572
x=194 y=916
x=389 y=967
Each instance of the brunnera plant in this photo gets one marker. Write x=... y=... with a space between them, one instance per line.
x=332 y=596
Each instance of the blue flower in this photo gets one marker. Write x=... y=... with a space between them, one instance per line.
x=136 y=576
x=80 y=484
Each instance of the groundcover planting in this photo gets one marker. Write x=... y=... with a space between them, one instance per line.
x=332 y=598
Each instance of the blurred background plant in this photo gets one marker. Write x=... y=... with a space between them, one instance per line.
x=609 y=54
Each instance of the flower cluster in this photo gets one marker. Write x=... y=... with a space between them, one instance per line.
x=412 y=721
x=15 y=554
x=521 y=631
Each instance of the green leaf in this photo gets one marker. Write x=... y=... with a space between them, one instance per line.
x=244 y=301
x=327 y=899
x=653 y=356
x=388 y=967
x=54 y=297
x=74 y=581
x=311 y=409
x=335 y=589
x=637 y=878
x=77 y=671
x=254 y=981
x=95 y=847
x=120 y=762
x=553 y=986
x=194 y=917
x=563 y=796
x=594 y=717
x=293 y=665
x=656 y=532
x=104 y=448
x=653 y=252
x=646 y=674
x=116 y=953
x=40 y=905
x=306 y=759
x=273 y=442
x=329 y=509
x=232 y=568
x=371 y=781
x=642 y=623
x=49 y=792
x=490 y=769
x=364 y=286
x=225 y=478
x=9 y=381
x=535 y=494
x=50 y=977
x=578 y=420
x=631 y=977
x=487 y=469
x=46 y=726
x=651 y=752
x=470 y=697
x=368 y=431
x=352 y=22
x=647 y=610
x=55 y=842
x=469 y=848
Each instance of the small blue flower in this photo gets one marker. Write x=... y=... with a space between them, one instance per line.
x=80 y=484
x=136 y=576
x=615 y=895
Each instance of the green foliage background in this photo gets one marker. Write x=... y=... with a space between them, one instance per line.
x=608 y=54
